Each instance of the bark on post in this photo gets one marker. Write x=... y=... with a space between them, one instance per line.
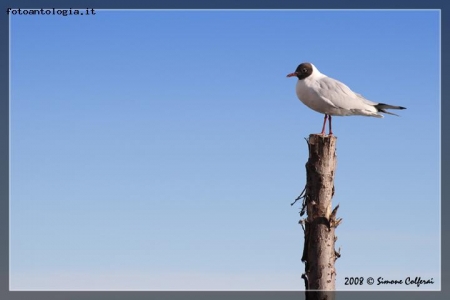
x=319 y=254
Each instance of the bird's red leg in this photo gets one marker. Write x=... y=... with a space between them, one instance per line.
x=323 y=127
x=329 y=123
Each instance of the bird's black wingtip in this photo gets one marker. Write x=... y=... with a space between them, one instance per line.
x=380 y=106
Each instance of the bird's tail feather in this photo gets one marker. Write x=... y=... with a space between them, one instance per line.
x=382 y=108
x=386 y=112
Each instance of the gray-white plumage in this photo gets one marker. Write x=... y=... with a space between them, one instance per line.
x=333 y=98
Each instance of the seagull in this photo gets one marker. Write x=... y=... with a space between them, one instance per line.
x=333 y=98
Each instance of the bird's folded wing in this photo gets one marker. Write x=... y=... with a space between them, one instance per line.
x=342 y=96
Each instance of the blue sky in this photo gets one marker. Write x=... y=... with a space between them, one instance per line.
x=160 y=150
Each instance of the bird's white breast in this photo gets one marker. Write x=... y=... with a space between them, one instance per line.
x=306 y=90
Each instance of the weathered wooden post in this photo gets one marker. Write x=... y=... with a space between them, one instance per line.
x=319 y=254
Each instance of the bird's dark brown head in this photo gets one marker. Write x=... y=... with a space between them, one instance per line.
x=303 y=71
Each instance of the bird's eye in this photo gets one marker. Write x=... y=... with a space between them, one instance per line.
x=304 y=71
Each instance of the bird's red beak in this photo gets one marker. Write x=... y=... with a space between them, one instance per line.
x=292 y=74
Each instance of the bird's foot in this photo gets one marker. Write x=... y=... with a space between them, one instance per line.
x=324 y=134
